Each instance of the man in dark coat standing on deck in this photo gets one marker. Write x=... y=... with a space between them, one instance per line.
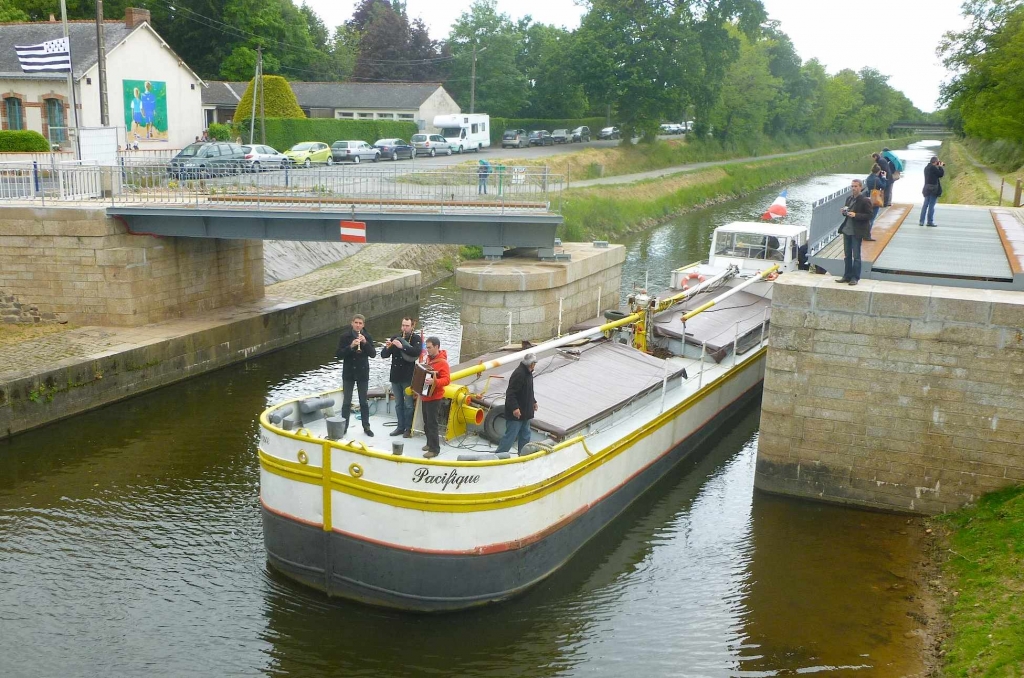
x=355 y=348
x=858 y=212
x=519 y=406
x=404 y=350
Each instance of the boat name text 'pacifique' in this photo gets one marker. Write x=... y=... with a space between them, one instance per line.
x=423 y=475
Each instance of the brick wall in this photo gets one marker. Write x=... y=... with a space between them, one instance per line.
x=892 y=395
x=86 y=268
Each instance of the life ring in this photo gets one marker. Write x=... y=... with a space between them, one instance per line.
x=693 y=275
x=701 y=278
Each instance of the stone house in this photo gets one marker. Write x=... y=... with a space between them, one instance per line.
x=137 y=57
x=411 y=102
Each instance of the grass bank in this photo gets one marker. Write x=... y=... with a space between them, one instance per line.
x=609 y=212
x=964 y=183
x=1005 y=157
x=984 y=572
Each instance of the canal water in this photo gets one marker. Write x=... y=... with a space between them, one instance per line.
x=131 y=544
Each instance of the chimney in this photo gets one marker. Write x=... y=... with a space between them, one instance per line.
x=134 y=16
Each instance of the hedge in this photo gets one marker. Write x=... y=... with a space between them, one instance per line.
x=283 y=133
x=23 y=141
x=278 y=98
x=499 y=125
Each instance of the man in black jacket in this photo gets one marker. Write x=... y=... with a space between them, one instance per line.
x=888 y=170
x=933 y=171
x=858 y=212
x=355 y=348
x=519 y=405
x=403 y=349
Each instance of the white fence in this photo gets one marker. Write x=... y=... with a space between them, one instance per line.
x=57 y=180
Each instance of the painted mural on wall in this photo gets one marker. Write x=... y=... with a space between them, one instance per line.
x=145 y=110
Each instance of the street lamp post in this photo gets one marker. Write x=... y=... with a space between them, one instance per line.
x=472 y=80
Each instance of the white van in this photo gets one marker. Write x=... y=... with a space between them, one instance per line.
x=465 y=131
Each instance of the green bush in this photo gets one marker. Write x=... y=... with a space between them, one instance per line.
x=219 y=132
x=499 y=125
x=283 y=133
x=278 y=99
x=23 y=141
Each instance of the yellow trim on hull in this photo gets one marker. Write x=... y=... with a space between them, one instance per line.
x=432 y=501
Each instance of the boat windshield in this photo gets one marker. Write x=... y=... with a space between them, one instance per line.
x=749 y=246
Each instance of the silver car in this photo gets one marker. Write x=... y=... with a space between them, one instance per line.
x=354 y=151
x=430 y=144
x=259 y=158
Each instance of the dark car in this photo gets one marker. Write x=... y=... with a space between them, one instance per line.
x=514 y=138
x=581 y=134
x=395 y=149
x=560 y=136
x=541 y=137
x=207 y=159
x=609 y=133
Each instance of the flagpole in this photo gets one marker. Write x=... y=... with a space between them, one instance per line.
x=71 y=76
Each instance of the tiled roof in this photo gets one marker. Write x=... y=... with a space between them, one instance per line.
x=83 y=44
x=385 y=96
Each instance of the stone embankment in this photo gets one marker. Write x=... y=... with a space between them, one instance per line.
x=890 y=395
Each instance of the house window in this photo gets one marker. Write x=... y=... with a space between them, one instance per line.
x=405 y=116
x=365 y=116
x=386 y=116
x=55 y=120
x=344 y=114
x=15 y=118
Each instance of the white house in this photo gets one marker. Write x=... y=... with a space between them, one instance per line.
x=152 y=94
x=418 y=102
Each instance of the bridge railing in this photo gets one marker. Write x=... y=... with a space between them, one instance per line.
x=391 y=187
x=826 y=219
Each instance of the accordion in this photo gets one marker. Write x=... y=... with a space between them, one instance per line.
x=419 y=375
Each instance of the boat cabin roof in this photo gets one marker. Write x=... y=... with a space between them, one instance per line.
x=577 y=385
x=764 y=228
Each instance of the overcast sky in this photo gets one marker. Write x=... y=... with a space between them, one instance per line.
x=898 y=37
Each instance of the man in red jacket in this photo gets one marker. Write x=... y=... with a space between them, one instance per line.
x=437 y=360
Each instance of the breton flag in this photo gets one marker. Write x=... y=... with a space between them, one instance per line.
x=53 y=56
x=353 y=231
x=777 y=209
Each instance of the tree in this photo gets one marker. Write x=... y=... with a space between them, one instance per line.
x=748 y=95
x=278 y=101
x=11 y=13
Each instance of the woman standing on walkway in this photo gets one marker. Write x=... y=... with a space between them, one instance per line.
x=933 y=171
x=875 y=181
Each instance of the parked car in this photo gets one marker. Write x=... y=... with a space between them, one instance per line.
x=354 y=151
x=541 y=137
x=560 y=136
x=207 y=159
x=581 y=134
x=514 y=138
x=259 y=158
x=609 y=133
x=431 y=144
x=309 y=153
x=672 y=128
x=395 y=149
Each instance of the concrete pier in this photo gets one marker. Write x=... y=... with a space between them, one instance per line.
x=891 y=395
x=530 y=291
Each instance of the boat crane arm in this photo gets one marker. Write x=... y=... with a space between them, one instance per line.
x=571 y=338
x=734 y=290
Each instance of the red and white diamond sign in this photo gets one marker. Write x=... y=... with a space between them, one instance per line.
x=353 y=231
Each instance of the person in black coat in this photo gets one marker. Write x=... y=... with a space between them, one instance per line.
x=519 y=405
x=403 y=349
x=887 y=173
x=858 y=212
x=933 y=171
x=355 y=348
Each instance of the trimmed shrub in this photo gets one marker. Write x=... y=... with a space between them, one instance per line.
x=283 y=133
x=23 y=141
x=219 y=132
x=499 y=125
x=278 y=98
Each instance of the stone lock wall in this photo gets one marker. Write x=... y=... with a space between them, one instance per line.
x=891 y=395
x=82 y=266
x=530 y=289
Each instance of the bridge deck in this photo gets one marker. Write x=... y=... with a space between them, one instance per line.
x=971 y=247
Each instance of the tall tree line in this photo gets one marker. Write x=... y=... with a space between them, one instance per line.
x=720 y=63
x=985 y=96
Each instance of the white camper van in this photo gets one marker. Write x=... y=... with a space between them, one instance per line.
x=465 y=131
